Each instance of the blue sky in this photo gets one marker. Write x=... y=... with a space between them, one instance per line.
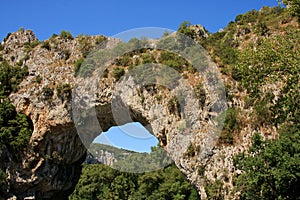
x=131 y=136
x=111 y=17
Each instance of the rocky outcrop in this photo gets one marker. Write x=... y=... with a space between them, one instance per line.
x=65 y=126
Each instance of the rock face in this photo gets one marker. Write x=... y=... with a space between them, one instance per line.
x=51 y=165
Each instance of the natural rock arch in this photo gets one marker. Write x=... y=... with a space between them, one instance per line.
x=51 y=166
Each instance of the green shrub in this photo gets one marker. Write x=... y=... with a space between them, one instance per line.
x=10 y=77
x=66 y=35
x=174 y=106
x=118 y=72
x=201 y=170
x=190 y=152
x=15 y=129
x=3 y=177
x=200 y=94
x=261 y=29
x=78 y=64
x=294 y=7
x=214 y=190
x=102 y=182
x=85 y=45
x=123 y=61
x=47 y=92
x=185 y=29
x=148 y=58
x=99 y=39
x=31 y=45
x=231 y=126
x=64 y=91
x=172 y=60
x=273 y=173
x=46 y=45
x=38 y=79
x=66 y=54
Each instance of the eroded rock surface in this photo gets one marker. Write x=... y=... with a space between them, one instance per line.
x=51 y=166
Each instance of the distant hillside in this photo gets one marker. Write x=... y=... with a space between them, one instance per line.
x=103 y=152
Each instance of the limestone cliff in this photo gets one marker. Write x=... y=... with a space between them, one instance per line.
x=183 y=124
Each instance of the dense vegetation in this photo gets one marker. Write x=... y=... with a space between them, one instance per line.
x=273 y=173
x=15 y=128
x=260 y=52
x=101 y=182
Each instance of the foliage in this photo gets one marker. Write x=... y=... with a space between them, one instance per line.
x=46 y=45
x=102 y=182
x=273 y=60
x=214 y=190
x=200 y=94
x=185 y=29
x=172 y=60
x=231 y=126
x=118 y=72
x=294 y=7
x=148 y=58
x=273 y=173
x=99 y=39
x=30 y=45
x=141 y=162
x=47 y=92
x=123 y=61
x=15 y=130
x=10 y=77
x=66 y=35
x=3 y=177
x=190 y=152
x=85 y=45
x=38 y=79
x=78 y=64
x=249 y=17
x=64 y=91
x=174 y=106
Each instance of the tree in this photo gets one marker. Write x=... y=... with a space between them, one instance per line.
x=185 y=29
x=273 y=173
x=293 y=7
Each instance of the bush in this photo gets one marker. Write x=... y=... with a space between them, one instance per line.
x=118 y=72
x=200 y=94
x=15 y=129
x=190 y=152
x=102 y=182
x=99 y=39
x=294 y=7
x=214 y=190
x=174 y=106
x=85 y=45
x=46 y=45
x=273 y=173
x=47 y=92
x=78 y=64
x=31 y=45
x=185 y=29
x=123 y=61
x=148 y=58
x=172 y=60
x=10 y=77
x=64 y=91
x=38 y=79
x=231 y=126
x=66 y=35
